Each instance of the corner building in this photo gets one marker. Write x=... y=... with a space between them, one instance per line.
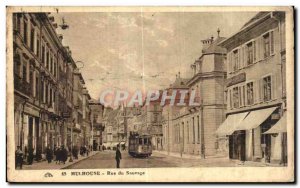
x=255 y=90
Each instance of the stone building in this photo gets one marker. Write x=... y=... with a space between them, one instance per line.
x=43 y=84
x=152 y=125
x=86 y=115
x=97 y=126
x=256 y=97
x=78 y=98
x=191 y=129
x=111 y=124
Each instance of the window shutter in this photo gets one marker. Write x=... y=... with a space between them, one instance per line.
x=242 y=96
x=231 y=99
x=274 y=88
x=260 y=48
x=243 y=57
x=229 y=62
x=256 y=90
x=254 y=51
x=261 y=90
x=272 y=42
x=232 y=62
x=257 y=48
x=240 y=58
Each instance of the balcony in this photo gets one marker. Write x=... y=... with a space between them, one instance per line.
x=21 y=85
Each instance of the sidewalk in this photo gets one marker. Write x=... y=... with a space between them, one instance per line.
x=53 y=166
x=217 y=161
x=186 y=156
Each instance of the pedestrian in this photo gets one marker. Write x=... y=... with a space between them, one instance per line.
x=63 y=154
x=87 y=151
x=18 y=157
x=49 y=154
x=118 y=156
x=81 y=151
x=75 y=152
x=30 y=156
x=26 y=154
x=57 y=155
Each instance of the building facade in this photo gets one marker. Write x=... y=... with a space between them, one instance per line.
x=191 y=129
x=43 y=84
x=256 y=97
x=97 y=125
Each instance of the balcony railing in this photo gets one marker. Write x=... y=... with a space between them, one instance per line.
x=21 y=85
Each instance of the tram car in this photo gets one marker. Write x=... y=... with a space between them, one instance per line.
x=139 y=145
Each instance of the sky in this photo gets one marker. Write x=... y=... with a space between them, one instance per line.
x=141 y=50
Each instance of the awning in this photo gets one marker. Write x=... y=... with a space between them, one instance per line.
x=279 y=127
x=230 y=124
x=255 y=118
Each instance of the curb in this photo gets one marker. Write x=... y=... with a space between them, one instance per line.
x=77 y=161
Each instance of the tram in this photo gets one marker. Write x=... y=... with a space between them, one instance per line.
x=139 y=145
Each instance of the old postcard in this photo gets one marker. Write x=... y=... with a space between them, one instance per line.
x=150 y=94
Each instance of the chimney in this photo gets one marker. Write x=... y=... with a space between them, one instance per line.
x=206 y=43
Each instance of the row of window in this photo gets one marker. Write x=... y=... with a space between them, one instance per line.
x=191 y=131
x=251 y=93
x=31 y=39
x=251 y=52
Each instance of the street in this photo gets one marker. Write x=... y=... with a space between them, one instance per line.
x=106 y=159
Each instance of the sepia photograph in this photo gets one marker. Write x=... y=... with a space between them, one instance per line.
x=150 y=94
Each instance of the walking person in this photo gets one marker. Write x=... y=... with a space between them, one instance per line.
x=63 y=155
x=30 y=155
x=118 y=156
x=49 y=154
x=57 y=155
x=87 y=151
x=18 y=157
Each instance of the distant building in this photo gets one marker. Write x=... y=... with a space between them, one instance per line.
x=86 y=116
x=78 y=99
x=110 y=122
x=97 y=125
x=256 y=90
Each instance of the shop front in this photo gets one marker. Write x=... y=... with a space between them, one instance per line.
x=252 y=136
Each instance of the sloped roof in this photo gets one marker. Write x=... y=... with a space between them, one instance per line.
x=255 y=18
x=180 y=83
x=112 y=115
x=215 y=48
